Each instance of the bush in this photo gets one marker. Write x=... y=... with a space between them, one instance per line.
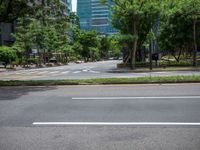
x=138 y=64
x=7 y=55
x=175 y=63
x=32 y=61
x=16 y=62
x=49 y=64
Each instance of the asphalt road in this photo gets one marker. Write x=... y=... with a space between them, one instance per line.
x=103 y=69
x=91 y=110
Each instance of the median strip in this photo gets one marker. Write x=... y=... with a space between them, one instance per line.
x=99 y=81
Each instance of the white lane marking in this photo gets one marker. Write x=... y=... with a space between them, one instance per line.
x=43 y=72
x=160 y=97
x=85 y=70
x=31 y=72
x=94 y=71
x=65 y=72
x=25 y=72
x=53 y=72
x=75 y=72
x=19 y=73
x=120 y=123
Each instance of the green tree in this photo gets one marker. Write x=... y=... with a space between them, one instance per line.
x=190 y=9
x=110 y=47
x=23 y=36
x=175 y=36
x=7 y=55
x=105 y=47
x=135 y=18
x=179 y=29
x=10 y=10
x=46 y=30
x=90 y=45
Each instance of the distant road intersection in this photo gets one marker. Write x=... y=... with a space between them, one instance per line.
x=103 y=69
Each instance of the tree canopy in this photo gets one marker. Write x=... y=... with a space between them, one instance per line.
x=10 y=10
x=135 y=18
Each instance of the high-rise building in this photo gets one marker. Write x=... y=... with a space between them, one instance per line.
x=68 y=5
x=95 y=16
x=6 y=29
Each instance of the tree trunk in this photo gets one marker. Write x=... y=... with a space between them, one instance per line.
x=133 y=55
x=195 y=44
x=179 y=55
x=150 y=56
x=5 y=65
x=44 y=56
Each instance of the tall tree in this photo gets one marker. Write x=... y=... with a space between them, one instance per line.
x=47 y=27
x=181 y=25
x=90 y=45
x=191 y=10
x=10 y=10
x=136 y=18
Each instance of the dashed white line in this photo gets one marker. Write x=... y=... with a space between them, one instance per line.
x=65 y=72
x=54 y=72
x=75 y=72
x=120 y=123
x=85 y=70
x=94 y=71
x=18 y=73
x=114 y=98
x=43 y=72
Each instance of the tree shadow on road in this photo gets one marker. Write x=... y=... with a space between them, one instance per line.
x=12 y=93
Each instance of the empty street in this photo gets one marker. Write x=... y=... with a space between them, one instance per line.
x=100 y=117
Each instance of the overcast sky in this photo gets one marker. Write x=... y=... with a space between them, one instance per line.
x=74 y=5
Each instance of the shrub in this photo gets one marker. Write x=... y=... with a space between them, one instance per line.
x=138 y=64
x=175 y=63
x=7 y=55
x=32 y=61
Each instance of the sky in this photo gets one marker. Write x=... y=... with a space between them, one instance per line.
x=74 y=5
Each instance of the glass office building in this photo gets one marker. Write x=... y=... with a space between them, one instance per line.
x=68 y=5
x=95 y=16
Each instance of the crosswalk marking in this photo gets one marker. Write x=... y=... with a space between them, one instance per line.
x=38 y=72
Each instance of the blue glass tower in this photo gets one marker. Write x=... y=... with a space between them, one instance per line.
x=95 y=16
x=68 y=5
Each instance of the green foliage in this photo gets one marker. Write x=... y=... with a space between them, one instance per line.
x=180 y=27
x=182 y=63
x=128 y=12
x=110 y=47
x=135 y=19
x=10 y=10
x=138 y=64
x=48 y=30
x=23 y=35
x=90 y=43
x=7 y=55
